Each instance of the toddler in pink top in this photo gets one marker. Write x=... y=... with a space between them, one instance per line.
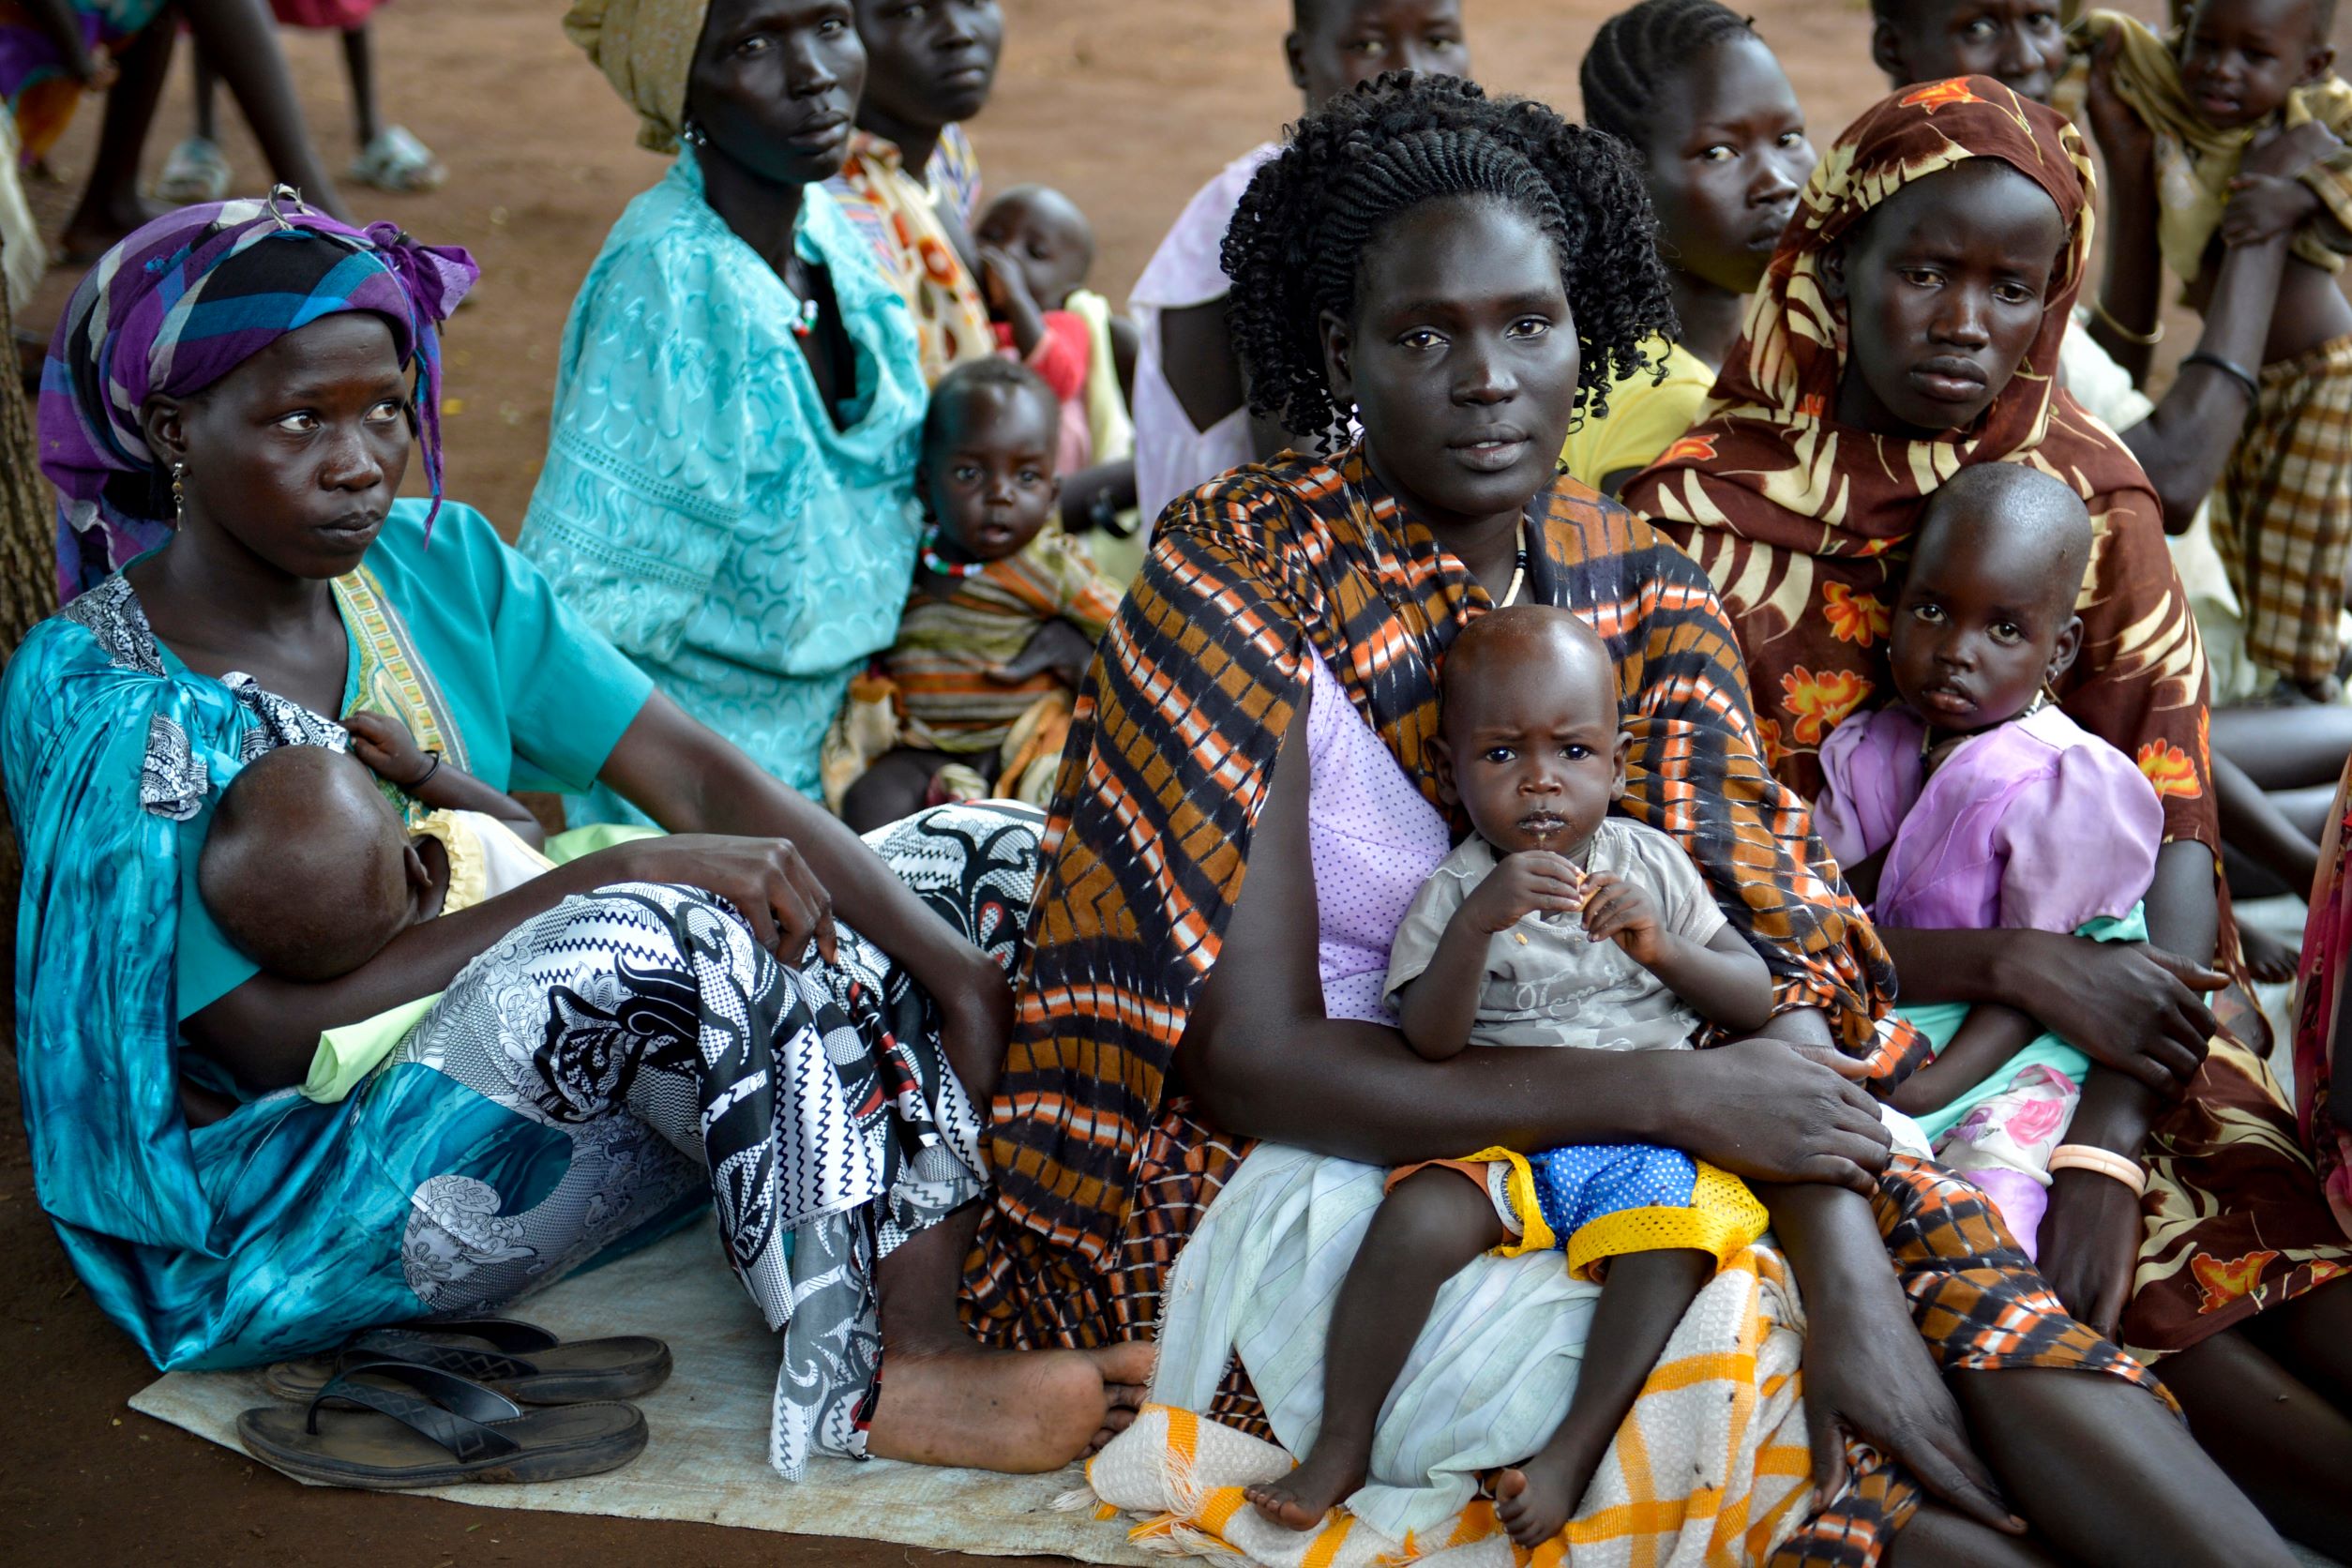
x=1977 y=804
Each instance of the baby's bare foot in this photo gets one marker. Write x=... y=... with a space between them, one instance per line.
x=1535 y=1500
x=1300 y=1499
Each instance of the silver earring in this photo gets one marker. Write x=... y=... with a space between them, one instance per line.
x=693 y=135
x=179 y=492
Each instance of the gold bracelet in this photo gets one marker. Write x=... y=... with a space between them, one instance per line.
x=2147 y=340
x=2106 y=1162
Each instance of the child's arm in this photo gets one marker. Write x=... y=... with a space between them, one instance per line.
x=1862 y=879
x=393 y=755
x=2124 y=315
x=1725 y=981
x=1008 y=294
x=1988 y=1037
x=1437 y=1006
x=2269 y=196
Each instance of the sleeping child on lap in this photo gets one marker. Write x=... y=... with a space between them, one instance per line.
x=309 y=870
x=1977 y=804
x=1554 y=923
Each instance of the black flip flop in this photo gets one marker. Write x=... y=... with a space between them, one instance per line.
x=521 y=1361
x=390 y=1425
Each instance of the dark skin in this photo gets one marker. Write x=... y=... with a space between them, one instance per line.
x=241 y=35
x=1943 y=285
x=1340 y=44
x=1944 y=288
x=1264 y=1062
x=2186 y=442
x=1035 y=247
x=774 y=89
x=2020 y=44
x=1724 y=156
x=930 y=64
x=1978 y=631
x=1534 y=754
x=291 y=461
x=990 y=484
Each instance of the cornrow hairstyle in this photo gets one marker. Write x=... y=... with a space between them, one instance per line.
x=1351 y=168
x=1639 y=50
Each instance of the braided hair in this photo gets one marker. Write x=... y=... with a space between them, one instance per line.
x=1639 y=50
x=1297 y=242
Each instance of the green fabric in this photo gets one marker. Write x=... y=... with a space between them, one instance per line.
x=540 y=699
x=1940 y=1020
x=348 y=1054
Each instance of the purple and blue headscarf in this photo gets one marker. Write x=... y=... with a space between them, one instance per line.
x=181 y=302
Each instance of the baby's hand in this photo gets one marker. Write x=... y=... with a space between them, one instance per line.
x=389 y=750
x=1002 y=276
x=2263 y=207
x=1616 y=911
x=1530 y=882
x=2286 y=154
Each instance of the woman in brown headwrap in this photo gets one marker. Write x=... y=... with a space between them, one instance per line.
x=1910 y=327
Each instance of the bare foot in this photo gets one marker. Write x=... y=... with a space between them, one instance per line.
x=1300 y=1499
x=1022 y=1411
x=2268 y=959
x=1534 y=1500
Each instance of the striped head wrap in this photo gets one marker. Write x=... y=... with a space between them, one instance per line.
x=179 y=305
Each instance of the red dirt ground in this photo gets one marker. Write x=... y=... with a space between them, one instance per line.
x=1128 y=106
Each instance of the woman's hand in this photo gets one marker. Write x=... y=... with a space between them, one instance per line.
x=2090 y=1245
x=766 y=879
x=1770 y=1111
x=2124 y=140
x=2127 y=1005
x=975 y=1021
x=1867 y=1374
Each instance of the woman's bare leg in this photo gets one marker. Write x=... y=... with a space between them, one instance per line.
x=2263 y=1411
x=2285 y=748
x=111 y=206
x=2106 y=1474
x=1940 y=1537
x=241 y=42
x=947 y=1400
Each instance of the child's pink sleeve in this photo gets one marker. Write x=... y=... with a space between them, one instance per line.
x=1064 y=354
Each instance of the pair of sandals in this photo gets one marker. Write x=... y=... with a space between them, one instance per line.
x=198 y=170
x=434 y=1404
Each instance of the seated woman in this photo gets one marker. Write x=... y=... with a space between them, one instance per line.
x=1910 y=326
x=240 y=371
x=2273 y=773
x=1249 y=807
x=1720 y=140
x=728 y=492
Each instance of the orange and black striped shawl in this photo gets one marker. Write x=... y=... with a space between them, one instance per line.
x=1101 y=1174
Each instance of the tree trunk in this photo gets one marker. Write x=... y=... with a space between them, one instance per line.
x=28 y=547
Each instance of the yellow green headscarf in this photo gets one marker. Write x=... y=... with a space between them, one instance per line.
x=646 y=49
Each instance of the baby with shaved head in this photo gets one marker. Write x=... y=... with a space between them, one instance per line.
x=1976 y=803
x=309 y=870
x=1555 y=924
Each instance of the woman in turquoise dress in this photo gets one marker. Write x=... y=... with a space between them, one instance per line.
x=641 y=1033
x=728 y=492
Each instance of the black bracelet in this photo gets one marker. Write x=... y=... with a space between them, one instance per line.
x=428 y=778
x=2235 y=372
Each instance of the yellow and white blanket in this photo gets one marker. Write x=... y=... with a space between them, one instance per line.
x=1712 y=1467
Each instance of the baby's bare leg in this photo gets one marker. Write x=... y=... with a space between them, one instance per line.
x=1642 y=1299
x=1427 y=1229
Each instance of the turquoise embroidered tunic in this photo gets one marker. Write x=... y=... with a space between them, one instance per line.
x=699 y=506
x=280 y=1228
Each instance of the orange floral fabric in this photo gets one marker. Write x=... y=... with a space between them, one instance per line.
x=1804 y=523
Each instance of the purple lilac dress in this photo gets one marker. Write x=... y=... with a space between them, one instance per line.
x=2036 y=823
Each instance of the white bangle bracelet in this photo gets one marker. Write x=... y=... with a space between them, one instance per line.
x=2106 y=1162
